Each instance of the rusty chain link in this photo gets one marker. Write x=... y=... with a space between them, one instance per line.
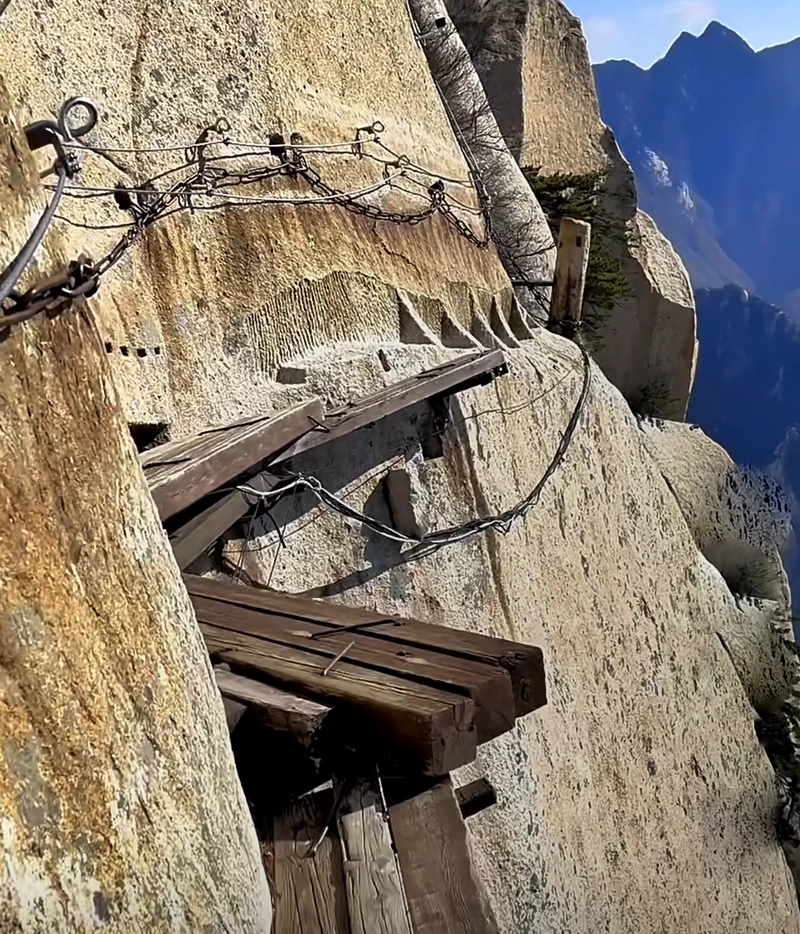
x=210 y=179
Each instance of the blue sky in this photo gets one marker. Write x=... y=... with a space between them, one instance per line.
x=643 y=30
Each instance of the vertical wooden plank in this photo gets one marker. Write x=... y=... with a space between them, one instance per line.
x=443 y=891
x=375 y=897
x=572 y=261
x=309 y=890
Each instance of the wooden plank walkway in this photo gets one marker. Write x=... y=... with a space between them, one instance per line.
x=524 y=664
x=463 y=373
x=405 y=723
x=424 y=696
x=487 y=686
x=180 y=473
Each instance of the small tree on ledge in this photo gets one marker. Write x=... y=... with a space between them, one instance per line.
x=580 y=196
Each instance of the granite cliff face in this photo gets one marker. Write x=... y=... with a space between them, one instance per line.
x=533 y=60
x=711 y=131
x=639 y=799
x=121 y=808
x=230 y=294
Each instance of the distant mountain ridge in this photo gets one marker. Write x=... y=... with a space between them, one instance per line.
x=712 y=132
x=747 y=391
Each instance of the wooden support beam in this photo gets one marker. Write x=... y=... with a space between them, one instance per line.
x=181 y=473
x=487 y=686
x=475 y=797
x=279 y=710
x=524 y=663
x=309 y=890
x=407 y=724
x=572 y=261
x=234 y=711
x=375 y=897
x=456 y=376
x=199 y=533
x=443 y=890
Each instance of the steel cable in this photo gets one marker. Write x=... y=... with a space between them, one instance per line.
x=502 y=522
x=17 y=267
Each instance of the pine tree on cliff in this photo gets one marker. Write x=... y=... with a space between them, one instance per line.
x=581 y=197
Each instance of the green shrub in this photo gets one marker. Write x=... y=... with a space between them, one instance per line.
x=580 y=197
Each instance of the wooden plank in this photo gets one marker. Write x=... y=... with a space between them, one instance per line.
x=524 y=663
x=196 y=536
x=279 y=709
x=234 y=711
x=460 y=374
x=182 y=472
x=375 y=897
x=475 y=797
x=443 y=890
x=429 y=730
x=572 y=261
x=309 y=890
x=488 y=686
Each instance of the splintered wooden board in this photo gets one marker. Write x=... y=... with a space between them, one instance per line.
x=458 y=375
x=182 y=472
x=310 y=895
x=374 y=886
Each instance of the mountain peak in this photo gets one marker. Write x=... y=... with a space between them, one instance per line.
x=716 y=42
x=718 y=33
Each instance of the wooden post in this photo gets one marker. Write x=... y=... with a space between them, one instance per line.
x=475 y=797
x=375 y=896
x=572 y=260
x=309 y=885
x=444 y=893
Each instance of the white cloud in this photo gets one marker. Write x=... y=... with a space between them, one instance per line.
x=686 y=14
x=602 y=28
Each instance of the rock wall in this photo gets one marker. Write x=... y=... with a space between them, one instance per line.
x=209 y=304
x=534 y=64
x=639 y=798
x=739 y=519
x=120 y=808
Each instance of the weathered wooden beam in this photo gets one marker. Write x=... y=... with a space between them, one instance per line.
x=199 y=533
x=475 y=797
x=234 y=711
x=572 y=261
x=456 y=376
x=375 y=897
x=412 y=725
x=524 y=663
x=487 y=686
x=443 y=890
x=181 y=473
x=278 y=709
x=309 y=889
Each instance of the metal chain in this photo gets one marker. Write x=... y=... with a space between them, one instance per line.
x=209 y=180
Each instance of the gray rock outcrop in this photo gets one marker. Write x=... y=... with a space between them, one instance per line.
x=533 y=61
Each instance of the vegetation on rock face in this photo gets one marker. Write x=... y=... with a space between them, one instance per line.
x=581 y=196
x=778 y=732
